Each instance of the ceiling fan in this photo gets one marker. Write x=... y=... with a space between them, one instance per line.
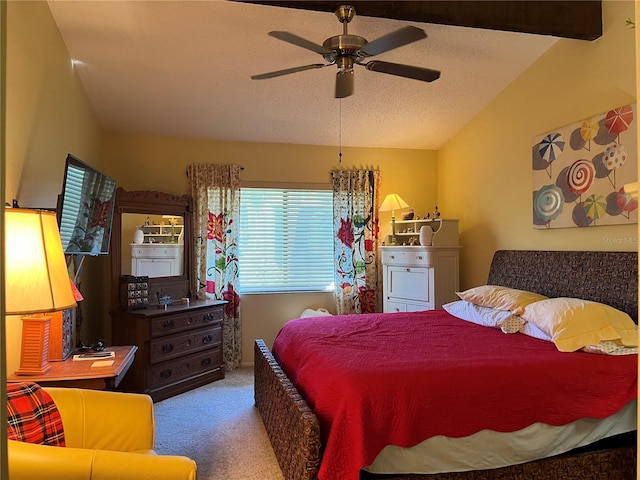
x=347 y=50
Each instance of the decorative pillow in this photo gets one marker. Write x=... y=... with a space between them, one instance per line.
x=485 y=316
x=502 y=298
x=32 y=415
x=573 y=323
x=609 y=347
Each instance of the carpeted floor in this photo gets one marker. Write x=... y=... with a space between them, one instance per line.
x=219 y=427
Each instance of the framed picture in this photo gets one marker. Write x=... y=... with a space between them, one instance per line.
x=579 y=172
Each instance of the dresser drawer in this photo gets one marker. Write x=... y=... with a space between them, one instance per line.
x=185 y=321
x=156 y=251
x=165 y=348
x=175 y=370
x=395 y=306
x=405 y=257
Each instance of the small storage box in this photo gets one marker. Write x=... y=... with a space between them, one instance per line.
x=134 y=292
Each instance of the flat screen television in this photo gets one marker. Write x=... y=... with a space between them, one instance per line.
x=85 y=209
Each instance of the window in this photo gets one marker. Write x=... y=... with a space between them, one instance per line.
x=285 y=241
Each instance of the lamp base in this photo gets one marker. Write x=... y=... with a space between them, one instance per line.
x=35 y=345
x=393 y=229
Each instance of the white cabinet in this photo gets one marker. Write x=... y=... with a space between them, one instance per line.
x=419 y=278
x=156 y=260
x=161 y=233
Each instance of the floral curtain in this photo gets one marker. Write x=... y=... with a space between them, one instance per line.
x=216 y=197
x=355 y=217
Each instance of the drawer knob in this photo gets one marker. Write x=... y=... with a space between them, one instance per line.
x=169 y=324
x=392 y=257
x=209 y=317
x=419 y=257
x=167 y=347
x=207 y=338
x=166 y=373
x=205 y=361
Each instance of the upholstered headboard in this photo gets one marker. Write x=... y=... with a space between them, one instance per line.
x=606 y=277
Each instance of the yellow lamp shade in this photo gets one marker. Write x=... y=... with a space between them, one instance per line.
x=392 y=202
x=36 y=277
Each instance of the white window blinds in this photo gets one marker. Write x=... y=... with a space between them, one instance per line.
x=285 y=240
x=72 y=199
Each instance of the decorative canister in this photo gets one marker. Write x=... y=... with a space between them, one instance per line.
x=426 y=235
x=138 y=236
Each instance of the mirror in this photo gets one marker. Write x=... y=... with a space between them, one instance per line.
x=152 y=245
x=151 y=236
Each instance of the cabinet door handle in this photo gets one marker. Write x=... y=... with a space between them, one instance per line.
x=207 y=339
x=166 y=373
x=169 y=324
x=167 y=347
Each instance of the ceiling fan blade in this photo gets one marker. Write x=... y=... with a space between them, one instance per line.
x=418 y=73
x=344 y=84
x=300 y=42
x=393 y=40
x=287 y=71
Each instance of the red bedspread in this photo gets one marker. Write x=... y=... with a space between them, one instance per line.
x=400 y=378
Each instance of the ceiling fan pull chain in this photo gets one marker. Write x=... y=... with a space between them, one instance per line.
x=340 y=150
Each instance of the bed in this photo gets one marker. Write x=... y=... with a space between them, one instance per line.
x=607 y=277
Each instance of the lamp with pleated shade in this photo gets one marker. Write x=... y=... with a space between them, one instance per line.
x=36 y=281
x=391 y=203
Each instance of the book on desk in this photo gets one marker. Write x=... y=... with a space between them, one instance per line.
x=92 y=356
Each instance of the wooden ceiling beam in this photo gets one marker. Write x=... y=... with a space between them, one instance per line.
x=577 y=19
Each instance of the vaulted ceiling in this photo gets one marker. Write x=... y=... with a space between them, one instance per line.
x=183 y=68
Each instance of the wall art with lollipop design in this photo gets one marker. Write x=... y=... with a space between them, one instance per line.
x=579 y=172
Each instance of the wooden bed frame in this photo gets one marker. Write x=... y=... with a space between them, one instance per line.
x=606 y=277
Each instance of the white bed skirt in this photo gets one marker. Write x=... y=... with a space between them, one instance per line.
x=488 y=449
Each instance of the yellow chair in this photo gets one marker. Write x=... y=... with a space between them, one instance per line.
x=108 y=436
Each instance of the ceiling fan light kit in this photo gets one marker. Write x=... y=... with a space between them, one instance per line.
x=347 y=50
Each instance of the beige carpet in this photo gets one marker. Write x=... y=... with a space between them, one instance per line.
x=220 y=428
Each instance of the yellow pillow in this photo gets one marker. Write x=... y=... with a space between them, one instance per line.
x=573 y=323
x=502 y=298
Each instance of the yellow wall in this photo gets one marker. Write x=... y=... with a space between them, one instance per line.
x=47 y=116
x=159 y=163
x=485 y=173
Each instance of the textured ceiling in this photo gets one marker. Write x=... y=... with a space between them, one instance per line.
x=183 y=68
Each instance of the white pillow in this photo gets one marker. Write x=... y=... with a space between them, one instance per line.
x=531 y=330
x=485 y=316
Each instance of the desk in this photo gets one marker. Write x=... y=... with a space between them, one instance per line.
x=81 y=374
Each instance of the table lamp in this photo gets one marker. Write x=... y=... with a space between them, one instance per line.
x=393 y=202
x=36 y=281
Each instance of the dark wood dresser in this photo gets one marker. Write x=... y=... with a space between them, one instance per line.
x=179 y=348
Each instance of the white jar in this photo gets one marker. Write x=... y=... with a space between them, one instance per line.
x=426 y=235
x=138 y=236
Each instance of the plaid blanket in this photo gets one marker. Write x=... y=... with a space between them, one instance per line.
x=32 y=416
